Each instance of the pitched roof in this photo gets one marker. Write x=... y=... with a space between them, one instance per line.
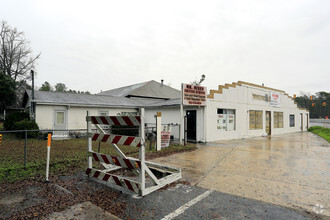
x=150 y=89
x=59 y=98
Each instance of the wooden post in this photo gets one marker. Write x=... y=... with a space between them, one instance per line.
x=158 y=131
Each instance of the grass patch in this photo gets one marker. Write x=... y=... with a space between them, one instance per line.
x=67 y=156
x=322 y=132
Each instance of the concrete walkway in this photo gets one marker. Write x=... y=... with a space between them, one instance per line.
x=292 y=170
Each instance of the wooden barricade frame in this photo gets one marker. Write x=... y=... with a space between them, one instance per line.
x=158 y=175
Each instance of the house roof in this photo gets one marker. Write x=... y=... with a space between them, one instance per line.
x=150 y=89
x=59 y=98
x=171 y=102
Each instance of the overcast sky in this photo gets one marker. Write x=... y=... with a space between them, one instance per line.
x=101 y=45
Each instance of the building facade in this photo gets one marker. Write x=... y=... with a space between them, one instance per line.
x=237 y=110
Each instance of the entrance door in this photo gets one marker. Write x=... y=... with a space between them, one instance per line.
x=60 y=120
x=301 y=122
x=268 y=123
x=307 y=119
x=191 y=125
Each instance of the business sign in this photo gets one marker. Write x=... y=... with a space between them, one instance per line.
x=165 y=136
x=275 y=99
x=193 y=94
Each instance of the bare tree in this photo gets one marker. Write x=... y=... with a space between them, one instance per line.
x=16 y=59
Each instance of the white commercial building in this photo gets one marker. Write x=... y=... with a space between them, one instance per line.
x=237 y=110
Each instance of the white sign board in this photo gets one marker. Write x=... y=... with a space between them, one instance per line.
x=275 y=99
x=165 y=136
x=193 y=94
x=222 y=122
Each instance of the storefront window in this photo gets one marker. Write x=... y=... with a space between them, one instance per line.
x=255 y=119
x=278 y=119
x=226 y=119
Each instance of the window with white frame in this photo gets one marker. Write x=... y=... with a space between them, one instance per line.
x=103 y=113
x=292 y=124
x=127 y=114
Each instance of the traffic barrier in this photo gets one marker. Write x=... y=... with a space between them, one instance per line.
x=147 y=176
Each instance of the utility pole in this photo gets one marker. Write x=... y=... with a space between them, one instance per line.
x=32 y=98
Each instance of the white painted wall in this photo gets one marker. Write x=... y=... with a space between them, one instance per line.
x=241 y=99
x=76 y=116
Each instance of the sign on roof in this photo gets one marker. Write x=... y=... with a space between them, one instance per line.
x=193 y=94
x=275 y=99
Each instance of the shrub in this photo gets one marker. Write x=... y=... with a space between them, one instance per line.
x=13 y=118
x=27 y=125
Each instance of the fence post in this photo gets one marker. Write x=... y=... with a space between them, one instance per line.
x=89 y=143
x=142 y=153
x=48 y=155
x=25 y=149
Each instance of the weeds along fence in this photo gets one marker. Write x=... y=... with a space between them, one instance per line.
x=23 y=152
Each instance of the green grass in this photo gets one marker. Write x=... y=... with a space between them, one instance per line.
x=322 y=132
x=67 y=156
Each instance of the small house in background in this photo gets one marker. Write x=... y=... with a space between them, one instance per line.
x=60 y=111
x=237 y=110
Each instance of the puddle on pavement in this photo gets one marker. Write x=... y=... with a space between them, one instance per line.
x=290 y=169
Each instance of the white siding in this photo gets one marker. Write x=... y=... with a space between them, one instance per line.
x=76 y=116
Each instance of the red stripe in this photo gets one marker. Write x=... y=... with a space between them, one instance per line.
x=137 y=185
x=128 y=184
x=139 y=163
x=129 y=140
x=116 y=161
x=105 y=138
x=106 y=177
x=117 y=180
x=138 y=118
x=96 y=135
x=128 y=163
x=116 y=139
x=104 y=120
x=96 y=174
x=88 y=171
x=139 y=144
x=105 y=159
x=114 y=119
x=128 y=121
x=96 y=158
x=94 y=120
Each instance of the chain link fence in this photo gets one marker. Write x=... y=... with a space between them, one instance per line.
x=23 y=153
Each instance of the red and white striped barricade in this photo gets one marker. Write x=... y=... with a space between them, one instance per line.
x=158 y=175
